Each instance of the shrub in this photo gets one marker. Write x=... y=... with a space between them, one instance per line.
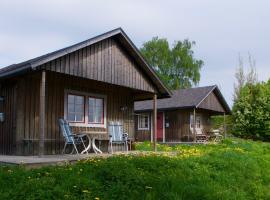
x=251 y=112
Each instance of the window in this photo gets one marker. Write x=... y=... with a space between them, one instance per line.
x=83 y=109
x=95 y=110
x=143 y=122
x=198 y=121
x=75 y=108
x=191 y=121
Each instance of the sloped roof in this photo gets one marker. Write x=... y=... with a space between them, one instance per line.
x=183 y=98
x=32 y=64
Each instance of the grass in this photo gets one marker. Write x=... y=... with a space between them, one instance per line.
x=234 y=169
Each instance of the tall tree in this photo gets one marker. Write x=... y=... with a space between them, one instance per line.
x=241 y=78
x=176 y=66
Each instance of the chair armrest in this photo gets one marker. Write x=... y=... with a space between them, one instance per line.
x=79 y=135
x=110 y=138
x=125 y=136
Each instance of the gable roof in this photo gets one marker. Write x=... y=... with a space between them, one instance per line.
x=119 y=34
x=184 y=98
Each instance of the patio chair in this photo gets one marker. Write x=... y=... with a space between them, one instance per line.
x=70 y=138
x=216 y=135
x=200 y=136
x=117 y=135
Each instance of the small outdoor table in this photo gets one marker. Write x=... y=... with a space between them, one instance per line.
x=92 y=136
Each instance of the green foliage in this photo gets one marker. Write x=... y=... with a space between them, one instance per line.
x=234 y=169
x=251 y=112
x=218 y=121
x=177 y=66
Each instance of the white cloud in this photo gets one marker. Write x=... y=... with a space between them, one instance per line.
x=221 y=29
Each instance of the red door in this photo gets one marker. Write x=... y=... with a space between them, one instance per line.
x=160 y=126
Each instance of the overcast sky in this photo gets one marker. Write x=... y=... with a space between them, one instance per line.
x=222 y=30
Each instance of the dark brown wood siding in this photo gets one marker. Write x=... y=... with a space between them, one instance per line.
x=143 y=135
x=104 y=61
x=8 y=127
x=28 y=109
x=177 y=126
x=212 y=103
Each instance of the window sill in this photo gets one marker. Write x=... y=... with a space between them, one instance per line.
x=87 y=125
x=143 y=129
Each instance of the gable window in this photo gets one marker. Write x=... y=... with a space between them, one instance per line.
x=84 y=109
x=143 y=122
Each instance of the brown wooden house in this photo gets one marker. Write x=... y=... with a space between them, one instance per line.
x=89 y=84
x=175 y=115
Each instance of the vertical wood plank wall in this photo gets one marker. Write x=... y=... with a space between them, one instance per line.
x=28 y=109
x=8 y=127
x=179 y=126
x=212 y=103
x=143 y=135
x=104 y=61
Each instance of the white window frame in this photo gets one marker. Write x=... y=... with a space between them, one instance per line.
x=86 y=104
x=148 y=122
x=198 y=116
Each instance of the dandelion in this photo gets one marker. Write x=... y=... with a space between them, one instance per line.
x=96 y=198
x=86 y=191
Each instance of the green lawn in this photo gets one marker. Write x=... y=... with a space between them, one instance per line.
x=234 y=169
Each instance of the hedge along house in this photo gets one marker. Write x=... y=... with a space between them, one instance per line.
x=175 y=115
x=89 y=84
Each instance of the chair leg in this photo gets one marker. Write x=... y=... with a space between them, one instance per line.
x=63 y=151
x=111 y=147
x=84 y=145
x=75 y=148
x=72 y=150
x=126 y=146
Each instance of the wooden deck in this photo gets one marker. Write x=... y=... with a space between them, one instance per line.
x=46 y=160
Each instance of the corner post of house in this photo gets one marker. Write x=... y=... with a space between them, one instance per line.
x=155 y=121
x=194 y=124
x=224 y=125
x=42 y=113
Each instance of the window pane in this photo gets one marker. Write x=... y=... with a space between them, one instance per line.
x=79 y=108
x=75 y=108
x=99 y=102
x=99 y=110
x=71 y=99
x=79 y=100
x=143 y=121
x=91 y=110
x=79 y=117
x=98 y=115
x=95 y=110
x=71 y=108
x=71 y=117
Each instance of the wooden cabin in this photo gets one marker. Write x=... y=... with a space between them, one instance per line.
x=89 y=84
x=175 y=117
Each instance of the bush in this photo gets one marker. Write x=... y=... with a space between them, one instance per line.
x=251 y=112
